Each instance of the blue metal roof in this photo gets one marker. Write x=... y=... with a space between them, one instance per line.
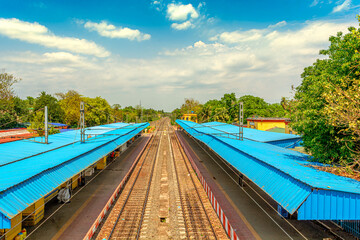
x=26 y=176
x=284 y=175
x=10 y=151
x=279 y=139
x=58 y=124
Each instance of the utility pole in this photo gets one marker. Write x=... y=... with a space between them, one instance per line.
x=241 y=121
x=141 y=116
x=82 y=121
x=46 y=125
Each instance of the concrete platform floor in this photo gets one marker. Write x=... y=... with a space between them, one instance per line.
x=74 y=219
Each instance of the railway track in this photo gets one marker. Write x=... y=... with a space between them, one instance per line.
x=163 y=197
x=125 y=219
x=201 y=221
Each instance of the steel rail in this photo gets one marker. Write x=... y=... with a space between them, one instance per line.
x=133 y=185
x=173 y=136
x=148 y=189
x=178 y=183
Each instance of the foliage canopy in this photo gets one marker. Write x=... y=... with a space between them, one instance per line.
x=227 y=108
x=326 y=104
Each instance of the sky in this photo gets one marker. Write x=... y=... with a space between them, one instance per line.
x=161 y=52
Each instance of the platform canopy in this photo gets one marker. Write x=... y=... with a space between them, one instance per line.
x=286 y=176
x=30 y=170
x=278 y=139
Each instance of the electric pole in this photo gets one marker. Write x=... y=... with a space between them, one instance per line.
x=46 y=125
x=82 y=121
x=141 y=116
x=241 y=121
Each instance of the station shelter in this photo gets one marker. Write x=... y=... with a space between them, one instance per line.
x=49 y=169
x=268 y=124
x=190 y=117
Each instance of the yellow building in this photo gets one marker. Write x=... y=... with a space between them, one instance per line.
x=265 y=124
x=189 y=117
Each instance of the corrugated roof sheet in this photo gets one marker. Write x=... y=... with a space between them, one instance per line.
x=285 y=176
x=45 y=167
x=280 y=139
x=10 y=151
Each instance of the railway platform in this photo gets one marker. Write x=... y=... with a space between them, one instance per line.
x=248 y=208
x=74 y=219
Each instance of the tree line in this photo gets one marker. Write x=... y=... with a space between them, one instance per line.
x=227 y=108
x=63 y=108
x=326 y=106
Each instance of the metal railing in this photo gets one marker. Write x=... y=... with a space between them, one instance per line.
x=352 y=227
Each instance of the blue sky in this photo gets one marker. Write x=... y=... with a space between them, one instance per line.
x=164 y=51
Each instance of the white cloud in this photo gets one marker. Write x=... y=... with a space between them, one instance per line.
x=278 y=25
x=266 y=66
x=110 y=31
x=51 y=59
x=314 y=3
x=310 y=38
x=158 y=5
x=62 y=56
x=180 y=12
x=239 y=36
x=246 y=36
x=182 y=26
x=342 y=7
x=39 y=34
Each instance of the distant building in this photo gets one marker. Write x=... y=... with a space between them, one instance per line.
x=189 y=117
x=10 y=135
x=270 y=124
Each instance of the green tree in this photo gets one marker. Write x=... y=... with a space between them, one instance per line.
x=227 y=109
x=21 y=108
x=7 y=111
x=55 y=112
x=117 y=112
x=175 y=114
x=190 y=105
x=254 y=107
x=97 y=111
x=70 y=105
x=129 y=114
x=37 y=125
x=343 y=109
x=313 y=110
